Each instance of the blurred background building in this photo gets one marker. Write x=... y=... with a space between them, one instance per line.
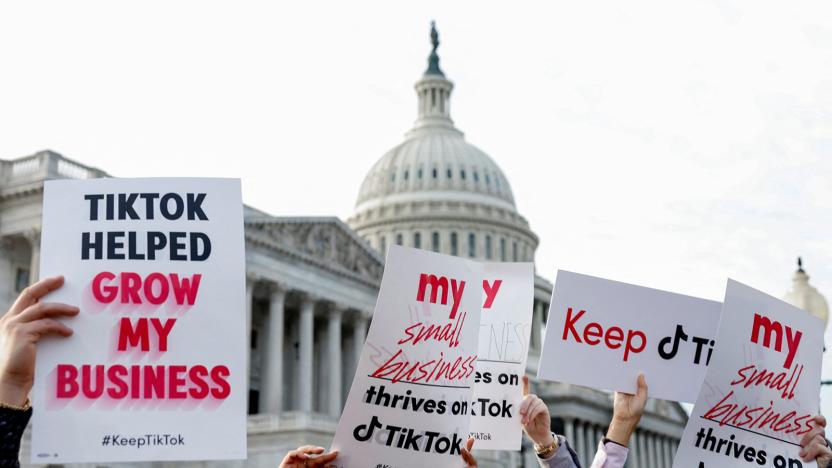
x=312 y=284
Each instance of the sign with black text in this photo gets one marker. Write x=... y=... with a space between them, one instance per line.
x=410 y=400
x=156 y=367
x=761 y=389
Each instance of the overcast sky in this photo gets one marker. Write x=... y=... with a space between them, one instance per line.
x=663 y=143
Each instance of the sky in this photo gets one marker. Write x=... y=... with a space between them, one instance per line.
x=669 y=144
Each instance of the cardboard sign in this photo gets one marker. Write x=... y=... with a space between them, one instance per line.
x=761 y=390
x=409 y=404
x=602 y=333
x=505 y=327
x=156 y=367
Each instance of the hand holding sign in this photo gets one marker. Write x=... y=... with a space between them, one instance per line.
x=22 y=327
x=535 y=417
x=814 y=444
x=308 y=456
x=626 y=413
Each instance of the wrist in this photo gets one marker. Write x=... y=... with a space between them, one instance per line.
x=620 y=431
x=544 y=440
x=14 y=394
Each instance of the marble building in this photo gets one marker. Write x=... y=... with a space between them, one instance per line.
x=312 y=283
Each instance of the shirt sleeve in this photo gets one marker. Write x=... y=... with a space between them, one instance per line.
x=610 y=455
x=564 y=456
x=12 y=424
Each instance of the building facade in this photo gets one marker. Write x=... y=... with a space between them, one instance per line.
x=312 y=283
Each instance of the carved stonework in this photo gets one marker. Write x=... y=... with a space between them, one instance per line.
x=326 y=242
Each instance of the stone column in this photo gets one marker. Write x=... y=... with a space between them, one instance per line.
x=307 y=337
x=580 y=445
x=537 y=326
x=632 y=457
x=271 y=392
x=334 y=360
x=589 y=437
x=651 y=448
x=668 y=452
x=33 y=237
x=250 y=280
x=359 y=335
x=569 y=431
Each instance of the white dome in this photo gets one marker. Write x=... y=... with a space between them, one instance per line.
x=437 y=191
x=805 y=296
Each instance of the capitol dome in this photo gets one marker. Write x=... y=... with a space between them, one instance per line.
x=437 y=191
x=805 y=296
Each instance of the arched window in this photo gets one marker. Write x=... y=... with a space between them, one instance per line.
x=476 y=176
x=487 y=180
x=417 y=240
x=514 y=251
x=503 y=249
x=472 y=245
x=488 y=249
x=450 y=173
x=434 y=241
x=454 y=244
x=400 y=239
x=462 y=174
x=435 y=173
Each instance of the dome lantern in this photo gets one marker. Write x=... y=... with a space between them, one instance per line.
x=434 y=92
x=805 y=296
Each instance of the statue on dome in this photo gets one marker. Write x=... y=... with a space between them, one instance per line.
x=433 y=60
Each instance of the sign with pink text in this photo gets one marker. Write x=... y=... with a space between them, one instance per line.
x=762 y=388
x=410 y=400
x=602 y=334
x=156 y=366
x=505 y=327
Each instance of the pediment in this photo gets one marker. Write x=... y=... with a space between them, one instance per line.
x=326 y=242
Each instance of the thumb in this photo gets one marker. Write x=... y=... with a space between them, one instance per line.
x=642 y=387
x=470 y=444
x=525 y=385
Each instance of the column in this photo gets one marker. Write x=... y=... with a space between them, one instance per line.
x=33 y=236
x=359 y=335
x=271 y=391
x=580 y=445
x=654 y=453
x=632 y=457
x=250 y=280
x=668 y=452
x=569 y=431
x=537 y=326
x=307 y=337
x=334 y=360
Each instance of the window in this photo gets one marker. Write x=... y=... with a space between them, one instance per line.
x=417 y=240
x=400 y=240
x=435 y=173
x=419 y=174
x=497 y=182
x=450 y=173
x=21 y=279
x=476 y=176
x=502 y=249
x=487 y=180
x=406 y=174
x=472 y=245
x=253 y=343
x=462 y=174
x=253 y=401
x=514 y=251
x=434 y=241
x=382 y=245
x=454 y=244
x=393 y=177
x=488 y=253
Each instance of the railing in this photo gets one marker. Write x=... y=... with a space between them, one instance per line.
x=41 y=166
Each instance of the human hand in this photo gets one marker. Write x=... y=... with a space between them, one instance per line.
x=534 y=415
x=308 y=456
x=26 y=322
x=814 y=445
x=470 y=461
x=626 y=413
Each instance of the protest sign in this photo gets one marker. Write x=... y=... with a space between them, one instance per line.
x=602 y=333
x=505 y=326
x=409 y=404
x=761 y=390
x=156 y=367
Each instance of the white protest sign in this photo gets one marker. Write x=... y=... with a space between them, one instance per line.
x=602 y=333
x=156 y=367
x=762 y=388
x=409 y=404
x=505 y=326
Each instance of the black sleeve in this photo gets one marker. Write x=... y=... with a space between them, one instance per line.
x=12 y=425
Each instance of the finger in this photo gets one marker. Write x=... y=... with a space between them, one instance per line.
x=812 y=451
x=310 y=449
x=536 y=409
x=33 y=293
x=470 y=444
x=46 y=309
x=809 y=436
x=527 y=401
x=44 y=327
x=525 y=385
x=819 y=421
x=641 y=391
x=322 y=460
